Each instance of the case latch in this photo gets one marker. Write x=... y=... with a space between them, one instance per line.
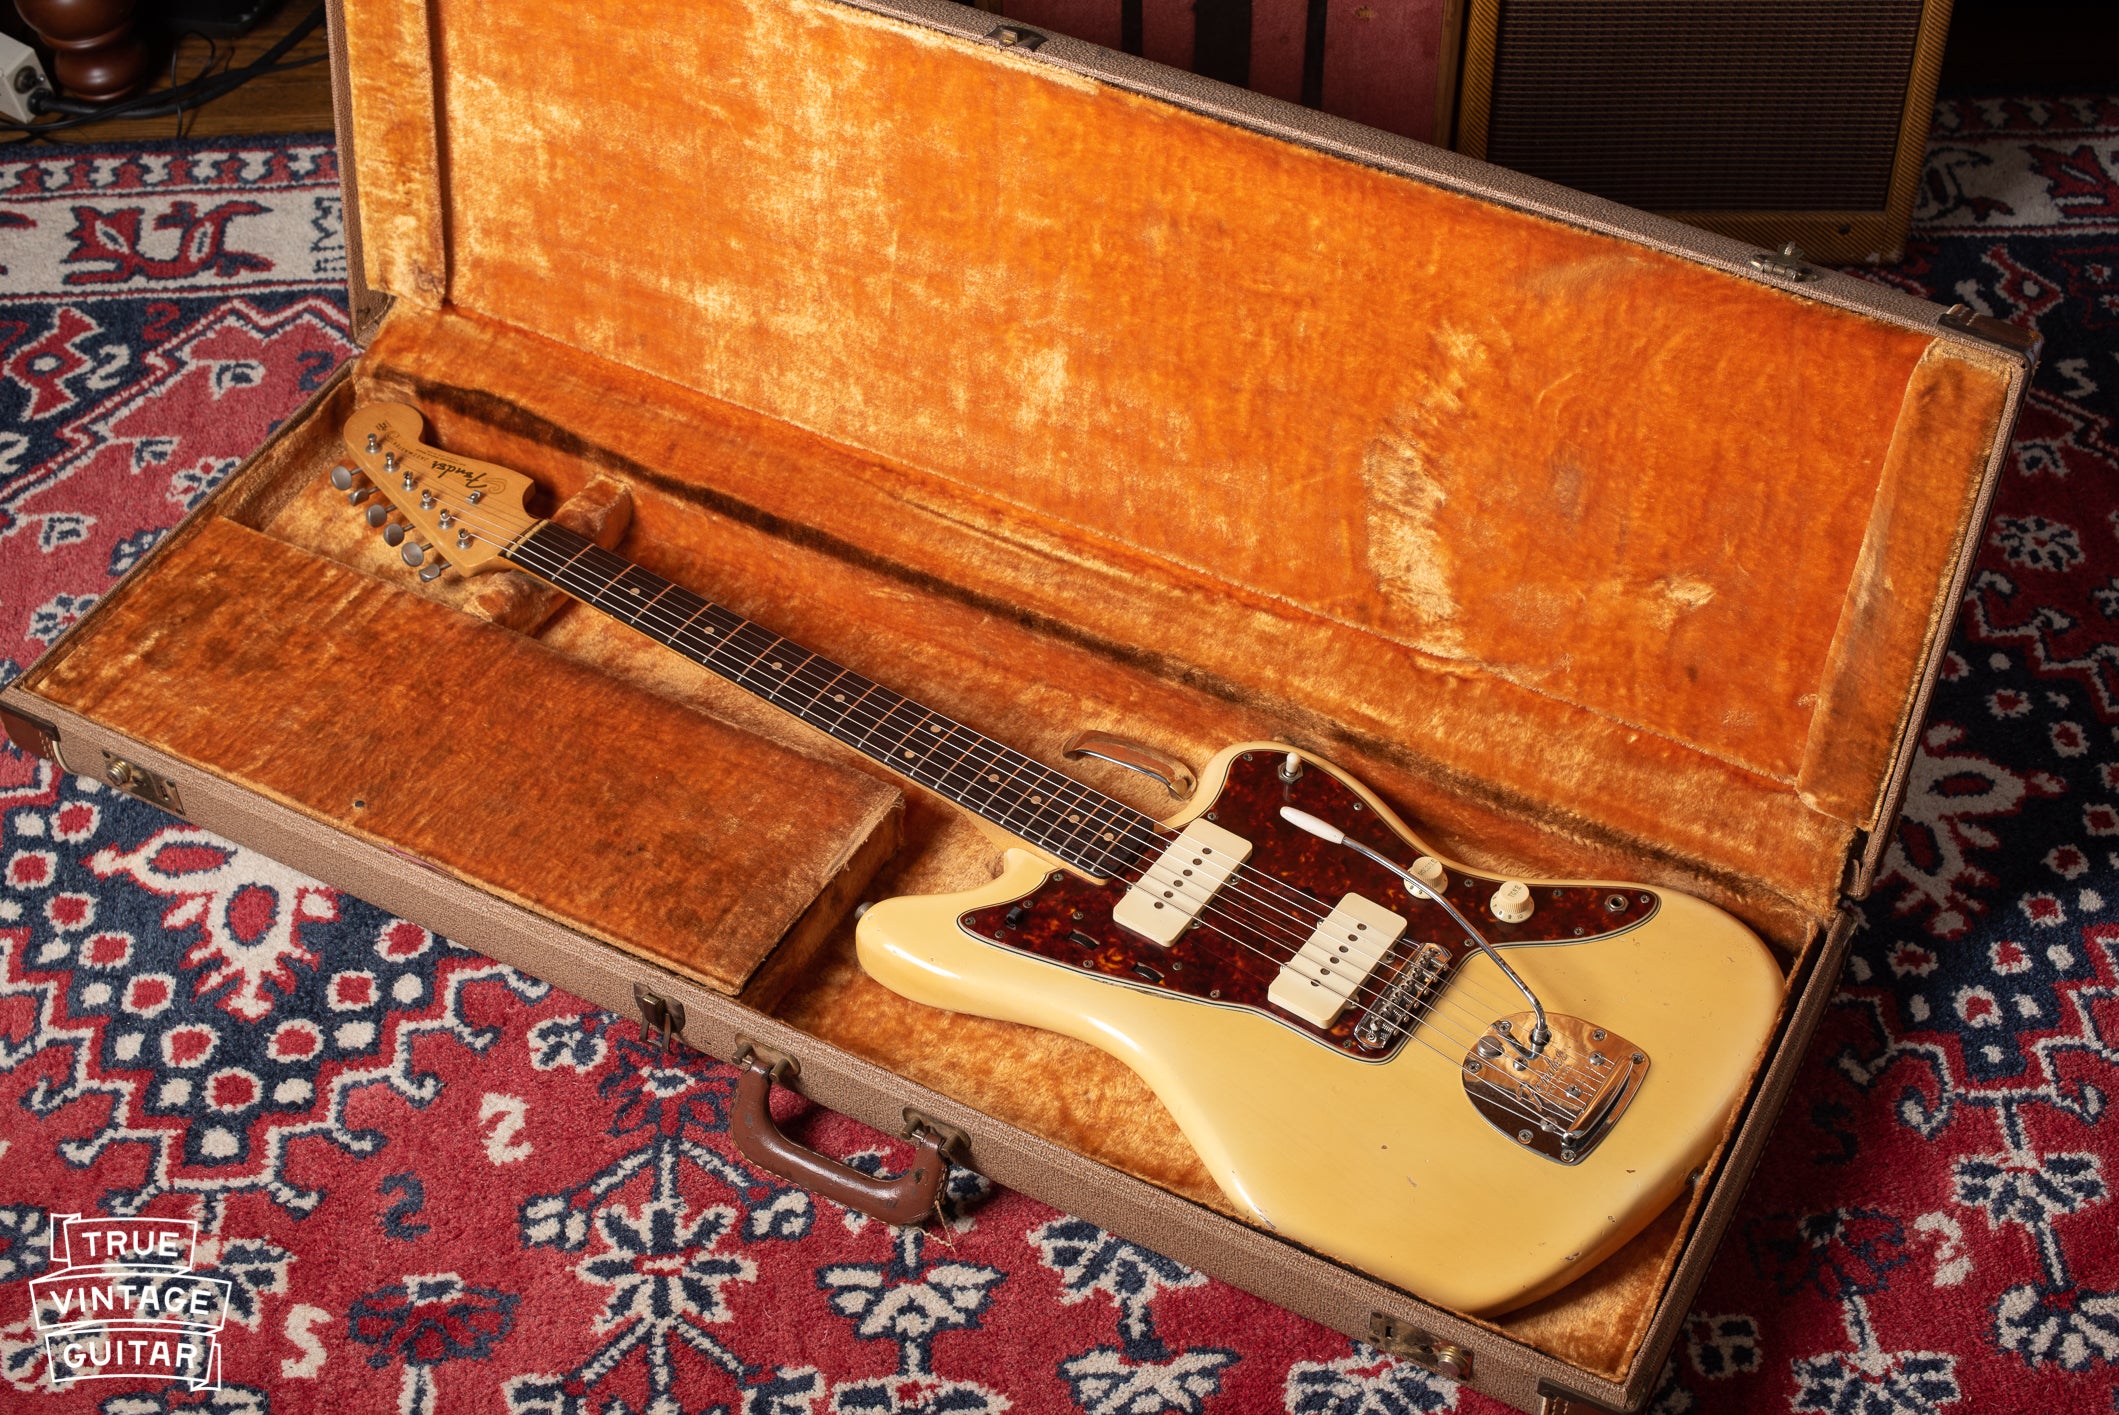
x=658 y=1014
x=136 y=780
x=1422 y=1348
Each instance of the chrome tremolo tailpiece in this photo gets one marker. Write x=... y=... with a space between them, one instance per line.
x=1577 y=1086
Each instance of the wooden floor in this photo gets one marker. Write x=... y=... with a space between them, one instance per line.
x=295 y=102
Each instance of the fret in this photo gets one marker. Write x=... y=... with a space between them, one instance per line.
x=1059 y=811
x=1045 y=807
x=847 y=696
x=629 y=596
x=958 y=776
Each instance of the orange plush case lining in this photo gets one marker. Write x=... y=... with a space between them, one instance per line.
x=1061 y=407
x=1633 y=545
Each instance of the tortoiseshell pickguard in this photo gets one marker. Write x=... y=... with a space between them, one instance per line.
x=1067 y=920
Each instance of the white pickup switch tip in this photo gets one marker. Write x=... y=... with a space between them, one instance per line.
x=1324 y=830
x=1512 y=902
x=1428 y=870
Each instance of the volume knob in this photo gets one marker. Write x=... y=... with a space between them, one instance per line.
x=1512 y=903
x=1428 y=870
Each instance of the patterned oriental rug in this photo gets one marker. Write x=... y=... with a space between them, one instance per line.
x=432 y=1183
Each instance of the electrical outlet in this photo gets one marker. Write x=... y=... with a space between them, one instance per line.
x=20 y=76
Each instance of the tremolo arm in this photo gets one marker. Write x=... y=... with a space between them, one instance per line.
x=1540 y=1032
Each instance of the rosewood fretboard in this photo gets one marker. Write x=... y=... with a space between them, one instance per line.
x=1085 y=828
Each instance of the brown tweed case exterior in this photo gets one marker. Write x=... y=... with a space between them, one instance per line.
x=821 y=387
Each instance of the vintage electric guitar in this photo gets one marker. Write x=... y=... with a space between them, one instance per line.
x=1470 y=1086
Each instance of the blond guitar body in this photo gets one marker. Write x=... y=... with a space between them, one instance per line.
x=1385 y=1163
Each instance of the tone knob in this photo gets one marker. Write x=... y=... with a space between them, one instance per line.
x=1428 y=870
x=1512 y=904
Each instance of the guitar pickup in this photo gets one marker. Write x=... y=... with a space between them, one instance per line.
x=1317 y=982
x=1181 y=881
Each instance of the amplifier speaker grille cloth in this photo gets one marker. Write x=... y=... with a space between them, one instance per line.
x=1705 y=105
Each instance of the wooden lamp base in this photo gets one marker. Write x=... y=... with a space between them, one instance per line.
x=97 y=53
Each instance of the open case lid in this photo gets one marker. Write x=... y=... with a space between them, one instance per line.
x=1628 y=530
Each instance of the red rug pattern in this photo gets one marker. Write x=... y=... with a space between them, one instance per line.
x=426 y=1182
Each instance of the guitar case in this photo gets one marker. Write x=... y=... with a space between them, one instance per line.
x=1060 y=391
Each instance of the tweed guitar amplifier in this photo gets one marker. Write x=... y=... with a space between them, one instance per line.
x=1059 y=390
x=1773 y=121
x=1391 y=64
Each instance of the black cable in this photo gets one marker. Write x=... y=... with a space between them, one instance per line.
x=176 y=50
x=193 y=94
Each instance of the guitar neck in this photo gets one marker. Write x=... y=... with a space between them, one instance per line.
x=1091 y=831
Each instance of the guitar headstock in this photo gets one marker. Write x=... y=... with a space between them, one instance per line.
x=443 y=512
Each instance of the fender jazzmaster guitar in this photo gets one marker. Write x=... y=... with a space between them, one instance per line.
x=1470 y=1086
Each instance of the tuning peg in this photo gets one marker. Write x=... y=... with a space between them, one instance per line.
x=414 y=552
x=394 y=534
x=432 y=569
x=378 y=514
x=345 y=478
x=359 y=494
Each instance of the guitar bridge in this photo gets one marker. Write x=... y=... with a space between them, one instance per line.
x=1405 y=1000
x=1560 y=1099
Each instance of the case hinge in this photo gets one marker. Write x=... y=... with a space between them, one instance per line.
x=32 y=734
x=1015 y=37
x=2013 y=337
x=136 y=780
x=1857 y=852
x=658 y=1014
x=1789 y=263
x=1422 y=1348
x=1554 y=1400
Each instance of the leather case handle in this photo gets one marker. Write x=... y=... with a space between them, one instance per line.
x=905 y=1200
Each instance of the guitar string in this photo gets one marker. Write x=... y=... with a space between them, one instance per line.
x=1368 y=993
x=1379 y=987
x=1305 y=910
